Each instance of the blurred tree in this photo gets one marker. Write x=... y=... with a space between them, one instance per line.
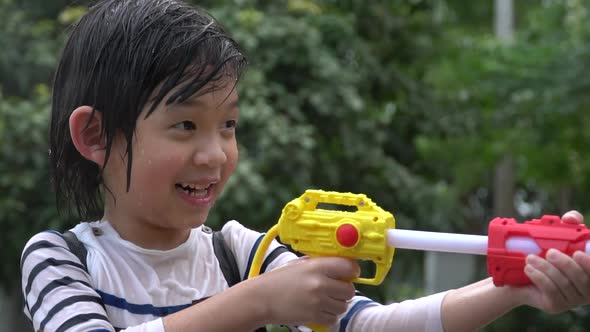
x=525 y=100
x=411 y=102
x=337 y=109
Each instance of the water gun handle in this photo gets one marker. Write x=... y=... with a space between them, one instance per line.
x=506 y=263
x=261 y=251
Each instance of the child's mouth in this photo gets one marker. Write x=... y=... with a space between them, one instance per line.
x=193 y=190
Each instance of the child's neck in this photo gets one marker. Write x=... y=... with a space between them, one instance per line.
x=147 y=235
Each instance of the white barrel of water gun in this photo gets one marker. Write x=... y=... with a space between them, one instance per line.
x=458 y=243
x=435 y=241
x=529 y=246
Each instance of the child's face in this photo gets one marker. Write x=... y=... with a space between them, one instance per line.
x=183 y=154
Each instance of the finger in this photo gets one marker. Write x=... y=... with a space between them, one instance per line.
x=337 y=267
x=339 y=290
x=572 y=217
x=334 y=307
x=293 y=262
x=297 y=260
x=547 y=278
x=583 y=261
x=578 y=278
x=325 y=318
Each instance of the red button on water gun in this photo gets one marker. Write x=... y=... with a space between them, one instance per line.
x=347 y=235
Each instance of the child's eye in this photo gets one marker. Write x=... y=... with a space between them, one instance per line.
x=185 y=125
x=231 y=124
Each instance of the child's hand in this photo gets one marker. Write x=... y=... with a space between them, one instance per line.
x=560 y=282
x=309 y=290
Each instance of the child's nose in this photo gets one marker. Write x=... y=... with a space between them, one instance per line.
x=211 y=154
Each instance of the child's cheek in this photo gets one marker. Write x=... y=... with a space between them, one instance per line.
x=175 y=159
x=232 y=164
x=169 y=166
x=233 y=158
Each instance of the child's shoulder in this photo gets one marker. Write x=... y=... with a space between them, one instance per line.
x=51 y=244
x=244 y=242
x=45 y=239
x=233 y=226
x=47 y=248
x=233 y=231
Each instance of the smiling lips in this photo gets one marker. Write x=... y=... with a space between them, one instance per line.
x=196 y=194
x=193 y=190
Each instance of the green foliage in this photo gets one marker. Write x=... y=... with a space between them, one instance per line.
x=330 y=110
x=29 y=49
x=526 y=99
x=410 y=102
x=326 y=100
x=26 y=204
x=31 y=43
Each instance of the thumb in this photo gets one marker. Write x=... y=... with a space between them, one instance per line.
x=338 y=267
x=572 y=217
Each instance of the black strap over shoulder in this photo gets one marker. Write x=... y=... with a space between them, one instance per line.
x=227 y=260
x=76 y=247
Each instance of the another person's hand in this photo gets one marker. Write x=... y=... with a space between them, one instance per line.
x=308 y=290
x=560 y=282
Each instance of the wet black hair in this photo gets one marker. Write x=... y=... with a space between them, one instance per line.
x=121 y=57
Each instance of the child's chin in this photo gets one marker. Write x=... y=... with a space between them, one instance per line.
x=199 y=220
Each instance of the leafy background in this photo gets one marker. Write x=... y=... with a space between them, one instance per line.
x=415 y=103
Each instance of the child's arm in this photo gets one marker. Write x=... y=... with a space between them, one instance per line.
x=59 y=295
x=559 y=283
x=56 y=288
x=303 y=291
x=558 y=286
x=476 y=305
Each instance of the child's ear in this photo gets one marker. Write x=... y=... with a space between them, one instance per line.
x=86 y=132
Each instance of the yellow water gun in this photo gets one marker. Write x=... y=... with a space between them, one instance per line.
x=369 y=234
x=320 y=232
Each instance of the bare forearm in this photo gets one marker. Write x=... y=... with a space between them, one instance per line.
x=476 y=305
x=233 y=310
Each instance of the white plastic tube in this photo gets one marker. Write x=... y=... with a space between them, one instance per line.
x=434 y=241
x=522 y=244
x=458 y=243
x=529 y=246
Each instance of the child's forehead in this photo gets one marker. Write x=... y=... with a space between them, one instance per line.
x=225 y=98
x=222 y=88
x=217 y=96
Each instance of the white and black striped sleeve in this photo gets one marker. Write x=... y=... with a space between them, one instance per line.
x=56 y=288
x=57 y=291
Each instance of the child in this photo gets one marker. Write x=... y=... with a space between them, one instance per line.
x=143 y=132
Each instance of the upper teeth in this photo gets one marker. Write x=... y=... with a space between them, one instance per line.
x=194 y=186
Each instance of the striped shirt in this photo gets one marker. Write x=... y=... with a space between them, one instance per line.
x=129 y=288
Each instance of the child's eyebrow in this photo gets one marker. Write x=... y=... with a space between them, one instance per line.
x=198 y=103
